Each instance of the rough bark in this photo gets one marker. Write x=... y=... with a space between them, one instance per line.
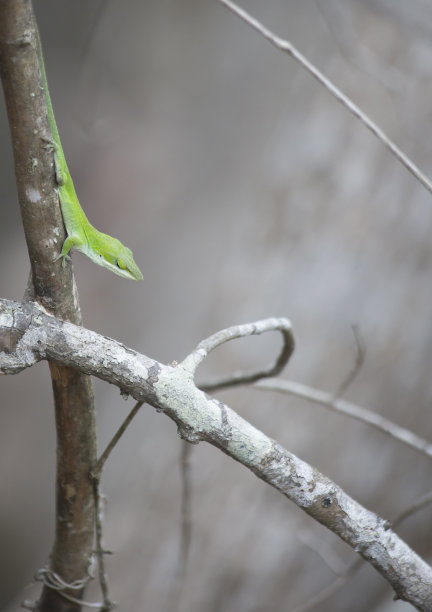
x=53 y=287
x=27 y=335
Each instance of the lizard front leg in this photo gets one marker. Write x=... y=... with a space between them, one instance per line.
x=69 y=243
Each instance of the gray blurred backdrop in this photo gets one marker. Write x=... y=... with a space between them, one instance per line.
x=245 y=191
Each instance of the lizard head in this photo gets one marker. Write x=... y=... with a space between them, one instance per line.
x=112 y=254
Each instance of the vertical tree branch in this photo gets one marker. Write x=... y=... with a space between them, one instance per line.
x=54 y=289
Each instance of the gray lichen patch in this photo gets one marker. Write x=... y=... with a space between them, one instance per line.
x=179 y=398
x=202 y=417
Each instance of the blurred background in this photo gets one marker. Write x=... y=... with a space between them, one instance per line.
x=245 y=191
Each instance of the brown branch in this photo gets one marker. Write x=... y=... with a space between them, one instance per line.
x=54 y=289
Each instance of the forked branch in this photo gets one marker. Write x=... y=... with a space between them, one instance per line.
x=28 y=335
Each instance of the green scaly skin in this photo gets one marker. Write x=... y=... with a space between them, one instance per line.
x=81 y=235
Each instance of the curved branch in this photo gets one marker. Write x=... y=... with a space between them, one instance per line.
x=27 y=335
x=194 y=359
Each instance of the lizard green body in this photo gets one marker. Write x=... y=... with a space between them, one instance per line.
x=81 y=235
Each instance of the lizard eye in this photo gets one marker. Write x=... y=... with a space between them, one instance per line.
x=117 y=264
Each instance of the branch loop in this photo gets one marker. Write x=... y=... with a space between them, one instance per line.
x=194 y=359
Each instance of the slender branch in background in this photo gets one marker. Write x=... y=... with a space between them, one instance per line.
x=95 y=476
x=287 y=47
x=107 y=604
x=419 y=504
x=176 y=590
x=349 y=409
x=339 y=22
x=186 y=516
x=358 y=363
x=330 y=589
x=96 y=472
x=192 y=361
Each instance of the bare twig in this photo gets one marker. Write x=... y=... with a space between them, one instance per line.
x=359 y=360
x=349 y=409
x=108 y=604
x=185 y=528
x=186 y=519
x=95 y=476
x=97 y=470
x=287 y=47
x=323 y=549
x=192 y=361
x=419 y=504
x=354 y=51
x=330 y=589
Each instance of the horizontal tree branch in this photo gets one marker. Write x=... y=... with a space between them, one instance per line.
x=28 y=335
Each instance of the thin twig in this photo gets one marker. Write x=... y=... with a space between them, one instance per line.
x=97 y=470
x=108 y=604
x=194 y=359
x=423 y=501
x=186 y=519
x=185 y=528
x=355 y=52
x=359 y=360
x=330 y=589
x=287 y=47
x=95 y=476
x=406 y=436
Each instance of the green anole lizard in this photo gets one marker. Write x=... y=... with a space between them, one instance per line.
x=81 y=235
